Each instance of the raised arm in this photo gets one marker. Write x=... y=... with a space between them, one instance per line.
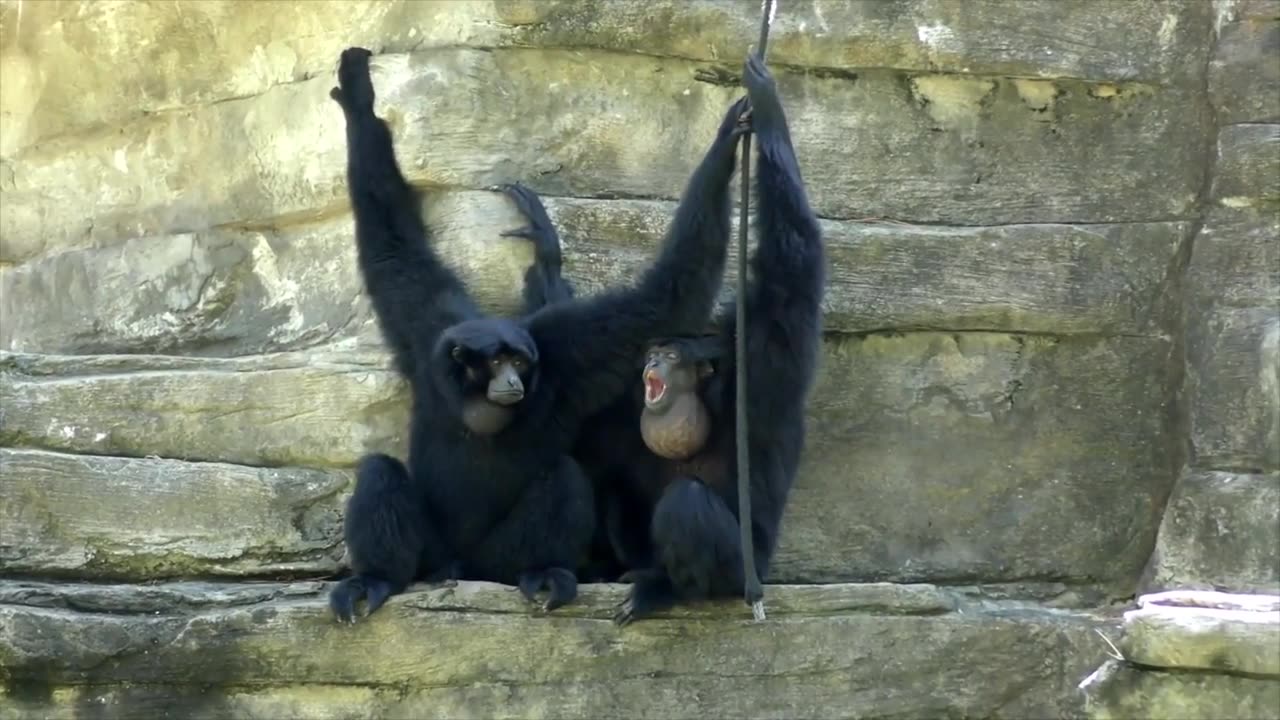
x=543 y=282
x=784 y=315
x=414 y=295
x=593 y=344
x=788 y=268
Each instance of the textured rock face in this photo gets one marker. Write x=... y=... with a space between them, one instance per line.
x=1053 y=319
x=955 y=141
x=1193 y=655
x=474 y=651
x=1199 y=654
x=955 y=144
x=1038 y=402
x=989 y=376
x=1221 y=530
x=107 y=516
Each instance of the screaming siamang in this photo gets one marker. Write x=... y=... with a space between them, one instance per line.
x=491 y=491
x=663 y=459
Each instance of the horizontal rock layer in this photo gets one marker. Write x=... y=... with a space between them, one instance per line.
x=897 y=482
x=120 y=73
x=475 y=650
x=1237 y=640
x=146 y=518
x=290 y=409
x=1119 y=691
x=234 y=292
x=935 y=148
x=1192 y=655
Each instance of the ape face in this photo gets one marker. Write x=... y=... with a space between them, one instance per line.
x=503 y=375
x=493 y=386
x=674 y=424
x=668 y=376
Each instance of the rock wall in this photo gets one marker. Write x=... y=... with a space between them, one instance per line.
x=1222 y=527
x=1210 y=655
x=1192 y=654
x=1052 y=305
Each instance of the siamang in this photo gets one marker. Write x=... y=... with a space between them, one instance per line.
x=491 y=491
x=663 y=459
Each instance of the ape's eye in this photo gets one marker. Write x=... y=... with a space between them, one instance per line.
x=673 y=357
x=495 y=362
x=518 y=363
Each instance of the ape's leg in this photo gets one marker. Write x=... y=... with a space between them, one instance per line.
x=626 y=519
x=699 y=554
x=543 y=539
x=607 y=561
x=388 y=536
x=543 y=282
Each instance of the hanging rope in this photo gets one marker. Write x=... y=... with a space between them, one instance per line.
x=754 y=592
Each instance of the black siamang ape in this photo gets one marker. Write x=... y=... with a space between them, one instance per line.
x=491 y=491
x=663 y=459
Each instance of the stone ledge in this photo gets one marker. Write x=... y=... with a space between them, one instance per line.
x=315 y=409
x=111 y=517
x=1058 y=279
x=475 y=649
x=595 y=602
x=1205 y=631
x=1119 y=691
x=1192 y=655
x=1183 y=598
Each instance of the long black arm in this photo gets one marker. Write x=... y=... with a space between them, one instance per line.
x=788 y=269
x=592 y=344
x=784 y=314
x=414 y=295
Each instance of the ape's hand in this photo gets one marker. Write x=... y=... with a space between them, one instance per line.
x=766 y=107
x=540 y=231
x=736 y=121
x=355 y=87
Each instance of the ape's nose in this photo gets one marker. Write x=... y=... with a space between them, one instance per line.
x=513 y=381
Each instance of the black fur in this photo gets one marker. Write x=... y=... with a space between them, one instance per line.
x=543 y=283
x=512 y=507
x=674 y=525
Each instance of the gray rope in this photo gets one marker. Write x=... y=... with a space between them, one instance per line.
x=753 y=591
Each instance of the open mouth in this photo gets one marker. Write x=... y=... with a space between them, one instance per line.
x=654 y=388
